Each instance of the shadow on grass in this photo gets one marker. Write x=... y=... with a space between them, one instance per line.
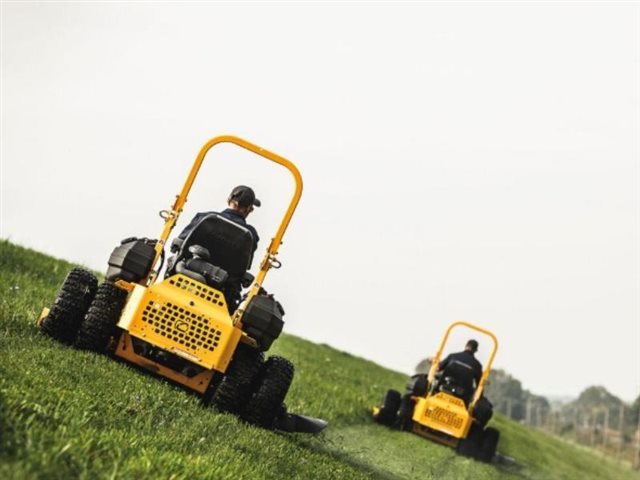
x=443 y=467
x=322 y=445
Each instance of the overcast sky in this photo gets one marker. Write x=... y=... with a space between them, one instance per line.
x=470 y=161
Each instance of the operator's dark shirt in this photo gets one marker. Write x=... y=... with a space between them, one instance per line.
x=229 y=213
x=468 y=359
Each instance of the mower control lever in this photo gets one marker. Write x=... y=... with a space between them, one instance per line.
x=176 y=245
x=199 y=252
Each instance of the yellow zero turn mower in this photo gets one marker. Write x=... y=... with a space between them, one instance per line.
x=444 y=406
x=181 y=327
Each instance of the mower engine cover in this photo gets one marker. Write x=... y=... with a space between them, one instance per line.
x=262 y=320
x=132 y=260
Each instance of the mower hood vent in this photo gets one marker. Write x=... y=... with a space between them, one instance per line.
x=190 y=330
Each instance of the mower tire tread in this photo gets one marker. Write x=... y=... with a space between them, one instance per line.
x=274 y=381
x=237 y=386
x=490 y=439
x=99 y=323
x=388 y=413
x=470 y=446
x=69 y=307
x=404 y=419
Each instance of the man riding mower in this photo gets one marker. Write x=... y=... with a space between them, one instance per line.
x=191 y=327
x=447 y=405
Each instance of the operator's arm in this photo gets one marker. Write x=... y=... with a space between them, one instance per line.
x=254 y=234
x=443 y=364
x=477 y=373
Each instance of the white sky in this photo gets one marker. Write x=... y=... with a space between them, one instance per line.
x=470 y=161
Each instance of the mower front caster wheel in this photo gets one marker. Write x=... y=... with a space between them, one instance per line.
x=70 y=306
x=101 y=319
x=273 y=384
x=490 y=439
x=470 y=446
x=388 y=413
x=238 y=384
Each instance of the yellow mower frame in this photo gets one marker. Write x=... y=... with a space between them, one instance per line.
x=443 y=412
x=182 y=316
x=439 y=415
x=164 y=313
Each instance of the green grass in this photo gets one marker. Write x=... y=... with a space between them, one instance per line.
x=71 y=414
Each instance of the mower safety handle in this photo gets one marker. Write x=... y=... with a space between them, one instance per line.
x=485 y=373
x=171 y=216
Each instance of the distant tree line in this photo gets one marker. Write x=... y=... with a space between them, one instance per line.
x=600 y=419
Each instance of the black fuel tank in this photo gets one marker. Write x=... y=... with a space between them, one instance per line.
x=131 y=261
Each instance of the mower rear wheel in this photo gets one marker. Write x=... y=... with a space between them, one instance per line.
x=70 y=306
x=388 y=413
x=483 y=411
x=490 y=439
x=238 y=384
x=274 y=381
x=417 y=385
x=99 y=324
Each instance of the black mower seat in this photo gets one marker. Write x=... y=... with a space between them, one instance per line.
x=200 y=269
x=230 y=245
x=457 y=379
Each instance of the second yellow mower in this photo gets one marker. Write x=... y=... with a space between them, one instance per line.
x=445 y=406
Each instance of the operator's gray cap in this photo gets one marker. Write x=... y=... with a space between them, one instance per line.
x=245 y=196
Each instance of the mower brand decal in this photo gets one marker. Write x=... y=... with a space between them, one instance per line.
x=446 y=417
x=181 y=326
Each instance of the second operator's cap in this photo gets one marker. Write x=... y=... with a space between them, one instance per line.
x=245 y=196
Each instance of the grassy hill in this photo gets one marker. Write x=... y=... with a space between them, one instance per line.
x=71 y=414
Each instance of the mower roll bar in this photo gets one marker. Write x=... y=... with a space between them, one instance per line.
x=171 y=216
x=485 y=373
